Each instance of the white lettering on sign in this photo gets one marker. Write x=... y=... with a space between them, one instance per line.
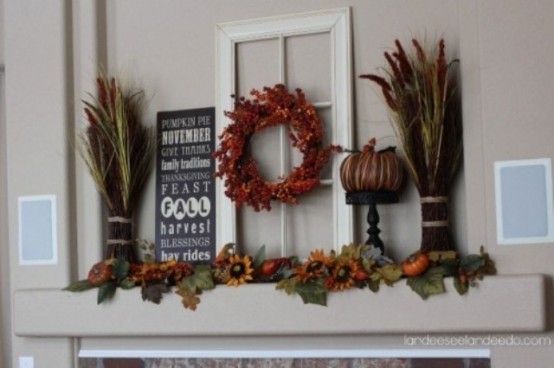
x=179 y=208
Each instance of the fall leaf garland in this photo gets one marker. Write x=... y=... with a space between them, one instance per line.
x=356 y=266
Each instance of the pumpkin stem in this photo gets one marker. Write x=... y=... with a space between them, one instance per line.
x=348 y=150
x=370 y=146
x=389 y=148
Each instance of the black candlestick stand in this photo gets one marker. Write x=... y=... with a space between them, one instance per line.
x=372 y=198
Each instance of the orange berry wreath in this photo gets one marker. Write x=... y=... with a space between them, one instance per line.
x=271 y=107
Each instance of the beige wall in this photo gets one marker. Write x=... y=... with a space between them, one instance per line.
x=2 y=31
x=165 y=66
x=4 y=277
x=169 y=48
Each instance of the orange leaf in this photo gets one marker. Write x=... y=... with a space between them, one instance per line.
x=190 y=300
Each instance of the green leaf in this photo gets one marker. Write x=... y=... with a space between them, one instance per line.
x=288 y=285
x=127 y=284
x=430 y=283
x=80 y=285
x=312 y=292
x=368 y=264
x=439 y=256
x=461 y=287
x=201 y=279
x=120 y=269
x=106 y=291
x=390 y=273
x=489 y=268
x=260 y=257
x=352 y=251
x=450 y=267
x=472 y=262
x=374 y=285
x=294 y=261
x=285 y=272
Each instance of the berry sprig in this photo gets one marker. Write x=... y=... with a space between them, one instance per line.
x=268 y=108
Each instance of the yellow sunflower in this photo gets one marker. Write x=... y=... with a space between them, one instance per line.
x=315 y=267
x=344 y=274
x=240 y=270
x=302 y=273
x=319 y=256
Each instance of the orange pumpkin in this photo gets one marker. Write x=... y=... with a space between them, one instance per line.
x=371 y=170
x=416 y=264
x=99 y=273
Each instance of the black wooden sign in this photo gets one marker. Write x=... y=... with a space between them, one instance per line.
x=185 y=188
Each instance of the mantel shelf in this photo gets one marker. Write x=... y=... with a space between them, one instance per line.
x=499 y=304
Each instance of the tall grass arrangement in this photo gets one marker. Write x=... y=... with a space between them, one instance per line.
x=118 y=151
x=420 y=91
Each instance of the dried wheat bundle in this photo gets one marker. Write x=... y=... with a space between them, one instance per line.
x=420 y=92
x=118 y=151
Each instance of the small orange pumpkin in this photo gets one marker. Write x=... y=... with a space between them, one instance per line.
x=416 y=264
x=99 y=273
x=371 y=171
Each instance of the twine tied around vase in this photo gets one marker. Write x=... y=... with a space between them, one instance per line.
x=439 y=199
x=434 y=200
x=435 y=225
x=120 y=237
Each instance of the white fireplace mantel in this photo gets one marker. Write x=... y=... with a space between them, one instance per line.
x=500 y=304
